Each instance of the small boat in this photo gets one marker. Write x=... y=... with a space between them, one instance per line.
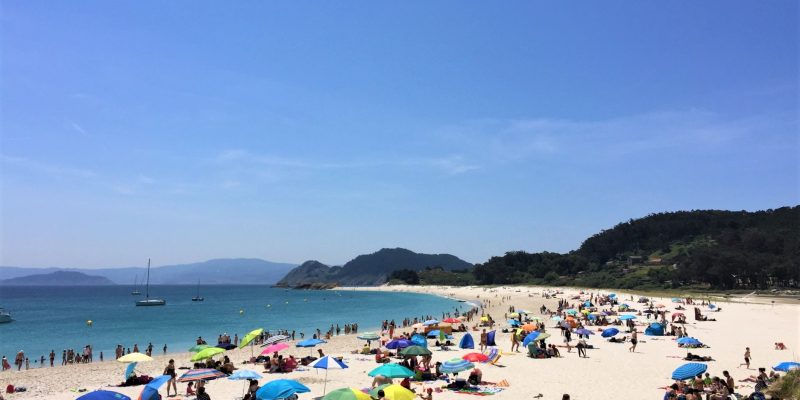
x=5 y=316
x=147 y=300
x=135 y=291
x=198 y=297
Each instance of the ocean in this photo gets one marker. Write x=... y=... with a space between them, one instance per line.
x=55 y=318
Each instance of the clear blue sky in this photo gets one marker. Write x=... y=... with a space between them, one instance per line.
x=189 y=130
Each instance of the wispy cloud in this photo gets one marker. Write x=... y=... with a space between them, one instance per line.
x=77 y=128
x=502 y=141
x=50 y=169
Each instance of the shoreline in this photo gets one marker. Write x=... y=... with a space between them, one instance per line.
x=596 y=377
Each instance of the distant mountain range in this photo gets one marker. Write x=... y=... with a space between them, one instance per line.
x=58 y=278
x=217 y=271
x=369 y=269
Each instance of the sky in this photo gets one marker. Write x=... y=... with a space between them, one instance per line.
x=188 y=130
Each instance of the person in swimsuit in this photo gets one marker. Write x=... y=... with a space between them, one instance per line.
x=634 y=340
x=746 y=358
x=170 y=370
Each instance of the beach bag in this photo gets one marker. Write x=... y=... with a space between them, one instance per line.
x=9 y=389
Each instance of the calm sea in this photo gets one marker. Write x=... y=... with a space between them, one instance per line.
x=55 y=318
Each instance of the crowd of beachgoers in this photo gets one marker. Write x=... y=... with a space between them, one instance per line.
x=463 y=351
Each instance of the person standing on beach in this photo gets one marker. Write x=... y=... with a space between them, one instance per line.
x=634 y=340
x=483 y=339
x=52 y=356
x=170 y=370
x=746 y=362
x=165 y=348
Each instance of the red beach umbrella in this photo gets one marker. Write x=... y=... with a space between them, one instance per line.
x=476 y=357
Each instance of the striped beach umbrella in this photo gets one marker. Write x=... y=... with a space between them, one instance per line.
x=688 y=370
x=455 y=366
x=327 y=363
x=275 y=339
x=204 y=374
x=368 y=336
x=431 y=322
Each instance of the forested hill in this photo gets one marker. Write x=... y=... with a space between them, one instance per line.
x=711 y=249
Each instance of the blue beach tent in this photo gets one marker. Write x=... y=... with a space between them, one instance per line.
x=655 y=329
x=467 y=342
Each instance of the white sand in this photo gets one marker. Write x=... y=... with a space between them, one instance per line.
x=610 y=372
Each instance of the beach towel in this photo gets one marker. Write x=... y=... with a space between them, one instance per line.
x=467 y=342
x=479 y=391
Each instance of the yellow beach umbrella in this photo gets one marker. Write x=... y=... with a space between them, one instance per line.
x=135 y=357
x=207 y=353
x=394 y=392
x=485 y=319
x=250 y=337
x=513 y=315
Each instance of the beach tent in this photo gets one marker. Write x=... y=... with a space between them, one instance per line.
x=103 y=395
x=490 y=338
x=419 y=340
x=655 y=329
x=467 y=342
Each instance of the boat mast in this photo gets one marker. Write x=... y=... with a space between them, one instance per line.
x=147 y=290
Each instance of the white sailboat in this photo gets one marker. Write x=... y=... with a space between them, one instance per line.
x=135 y=291
x=198 y=297
x=147 y=300
x=5 y=316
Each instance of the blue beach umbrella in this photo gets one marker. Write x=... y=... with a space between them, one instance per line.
x=690 y=341
x=513 y=322
x=430 y=322
x=129 y=370
x=571 y=311
x=419 y=340
x=786 y=366
x=609 y=332
x=434 y=333
x=103 y=395
x=310 y=343
x=612 y=295
x=399 y=344
x=689 y=370
x=627 y=317
x=530 y=338
x=280 y=389
x=244 y=374
x=556 y=318
x=584 y=332
x=392 y=370
x=455 y=366
x=150 y=391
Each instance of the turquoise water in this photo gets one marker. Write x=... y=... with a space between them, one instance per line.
x=55 y=318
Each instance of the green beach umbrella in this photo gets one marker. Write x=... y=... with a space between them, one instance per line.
x=249 y=337
x=346 y=394
x=207 y=353
x=198 y=347
x=415 y=351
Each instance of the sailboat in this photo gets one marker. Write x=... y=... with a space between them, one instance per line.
x=198 y=298
x=135 y=291
x=147 y=300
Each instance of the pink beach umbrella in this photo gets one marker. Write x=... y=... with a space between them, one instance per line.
x=273 y=348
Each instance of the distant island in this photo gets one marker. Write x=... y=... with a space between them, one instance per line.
x=57 y=278
x=223 y=271
x=368 y=269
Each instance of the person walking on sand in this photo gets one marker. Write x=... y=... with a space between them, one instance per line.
x=170 y=370
x=483 y=340
x=746 y=362
x=634 y=340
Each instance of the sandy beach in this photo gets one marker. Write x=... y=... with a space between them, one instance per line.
x=610 y=371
